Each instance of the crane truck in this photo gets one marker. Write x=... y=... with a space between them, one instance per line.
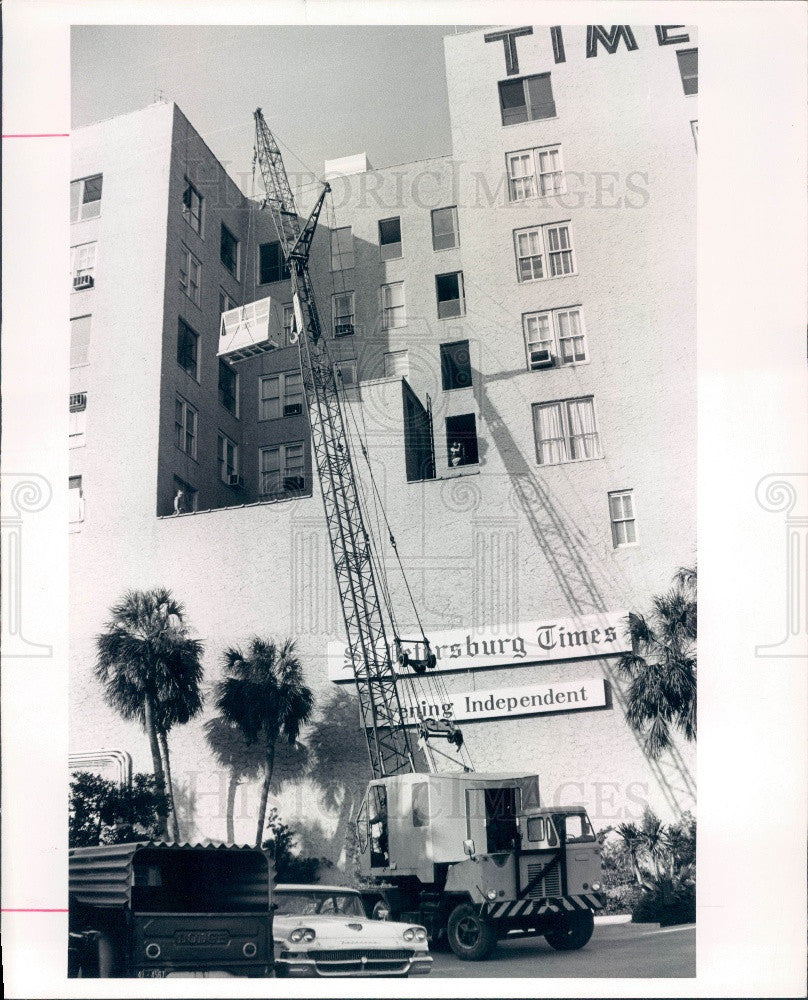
x=471 y=856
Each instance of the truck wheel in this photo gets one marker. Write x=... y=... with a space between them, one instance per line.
x=471 y=937
x=571 y=931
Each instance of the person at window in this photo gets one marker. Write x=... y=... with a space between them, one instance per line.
x=179 y=502
x=456 y=453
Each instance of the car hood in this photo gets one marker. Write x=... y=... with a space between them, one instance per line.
x=346 y=930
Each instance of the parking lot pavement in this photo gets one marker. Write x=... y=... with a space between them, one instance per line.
x=627 y=950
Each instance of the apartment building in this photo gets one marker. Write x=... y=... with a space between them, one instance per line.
x=513 y=325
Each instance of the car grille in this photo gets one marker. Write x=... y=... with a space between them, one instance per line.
x=353 y=962
x=548 y=885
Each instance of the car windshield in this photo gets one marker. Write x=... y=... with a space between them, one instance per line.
x=305 y=904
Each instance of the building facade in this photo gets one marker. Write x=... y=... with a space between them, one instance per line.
x=514 y=328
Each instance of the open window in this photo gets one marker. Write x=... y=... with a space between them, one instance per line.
x=379 y=843
x=461 y=440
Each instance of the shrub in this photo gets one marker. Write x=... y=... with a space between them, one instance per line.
x=666 y=900
x=104 y=812
x=289 y=867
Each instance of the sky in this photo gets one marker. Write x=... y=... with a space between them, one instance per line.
x=326 y=91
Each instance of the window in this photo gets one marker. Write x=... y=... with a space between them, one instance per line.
x=229 y=251
x=526 y=99
x=621 y=514
x=566 y=431
x=396 y=364
x=461 y=440
x=342 y=249
x=445 y=232
x=281 y=469
x=85 y=198
x=689 y=69
x=521 y=176
x=577 y=829
x=394 y=313
x=188 y=349
x=225 y=302
x=228 y=387
x=342 y=308
x=556 y=336
x=451 y=298
x=455 y=365
x=190 y=275
x=280 y=396
x=192 y=207
x=544 y=252
x=227 y=456
x=75 y=500
x=390 y=238
x=420 y=804
x=345 y=373
x=540 y=828
x=79 y=341
x=289 y=324
x=78 y=421
x=82 y=266
x=185 y=497
x=271 y=264
x=185 y=421
x=535 y=172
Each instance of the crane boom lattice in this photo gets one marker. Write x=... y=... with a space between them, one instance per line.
x=388 y=741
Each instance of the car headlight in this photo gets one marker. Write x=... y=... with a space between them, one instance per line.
x=415 y=934
x=492 y=894
x=302 y=934
x=596 y=887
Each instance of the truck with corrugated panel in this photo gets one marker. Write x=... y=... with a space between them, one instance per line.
x=156 y=910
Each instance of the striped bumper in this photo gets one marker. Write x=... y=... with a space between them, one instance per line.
x=528 y=907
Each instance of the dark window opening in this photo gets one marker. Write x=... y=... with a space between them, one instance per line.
x=419 y=452
x=379 y=846
x=455 y=365
x=228 y=385
x=451 y=299
x=271 y=264
x=229 y=251
x=461 y=440
x=526 y=99
x=390 y=238
x=187 y=348
x=501 y=808
x=689 y=69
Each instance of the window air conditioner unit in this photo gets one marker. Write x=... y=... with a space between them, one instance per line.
x=343 y=329
x=81 y=281
x=292 y=409
x=237 y=482
x=294 y=484
x=540 y=359
x=78 y=401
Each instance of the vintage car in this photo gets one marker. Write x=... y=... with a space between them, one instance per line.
x=323 y=930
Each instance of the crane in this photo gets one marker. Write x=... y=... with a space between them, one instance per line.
x=471 y=856
x=369 y=642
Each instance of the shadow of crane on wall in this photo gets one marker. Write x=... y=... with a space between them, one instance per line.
x=574 y=562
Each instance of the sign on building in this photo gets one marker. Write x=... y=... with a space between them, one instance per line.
x=497 y=703
x=546 y=641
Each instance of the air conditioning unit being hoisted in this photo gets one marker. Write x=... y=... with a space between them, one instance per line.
x=541 y=359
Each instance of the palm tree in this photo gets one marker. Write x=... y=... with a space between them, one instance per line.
x=662 y=666
x=151 y=671
x=244 y=761
x=632 y=838
x=263 y=694
x=340 y=764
